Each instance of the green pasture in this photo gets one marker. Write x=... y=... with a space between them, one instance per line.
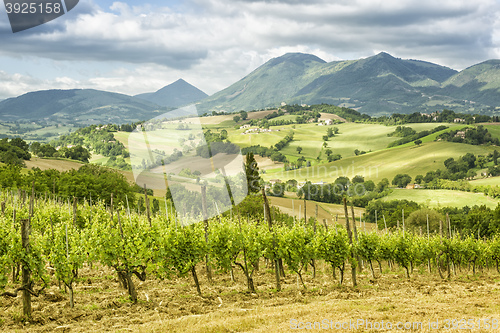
x=413 y=160
x=442 y=198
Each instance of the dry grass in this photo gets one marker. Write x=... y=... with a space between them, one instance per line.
x=173 y=306
x=46 y=164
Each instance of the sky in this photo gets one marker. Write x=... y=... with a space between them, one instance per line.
x=133 y=47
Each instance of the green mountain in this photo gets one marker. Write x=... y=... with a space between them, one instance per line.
x=77 y=106
x=176 y=94
x=276 y=81
x=478 y=83
x=381 y=84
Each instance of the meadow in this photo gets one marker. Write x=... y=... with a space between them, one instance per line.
x=413 y=160
x=442 y=198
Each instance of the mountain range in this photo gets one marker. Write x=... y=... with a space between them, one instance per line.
x=381 y=84
x=377 y=85
x=89 y=106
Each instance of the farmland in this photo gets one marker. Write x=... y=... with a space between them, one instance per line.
x=442 y=198
x=169 y=301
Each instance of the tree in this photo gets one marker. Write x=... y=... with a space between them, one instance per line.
x=236 y=118
x=417 y=142
x=299 y=149
x=329 y=132
x=418 y=219
x=382 y=185
x=252 y=173
x=243 y=115
x=325 y=137
x=471 y=174
x=328 y=152
x=356 y=152
x=35 y=147
x=223 y=134
x=470 y=159
x=401 y=180
x=495 y=157
x=481 y=161
x=358 y=179
x=419 y=179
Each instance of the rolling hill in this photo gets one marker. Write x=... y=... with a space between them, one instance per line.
x=174 y=95
x=77 y=106
x=381 y=84
x=386 y=163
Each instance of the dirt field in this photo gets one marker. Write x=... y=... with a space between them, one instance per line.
x=45 y=164
x=173 y=305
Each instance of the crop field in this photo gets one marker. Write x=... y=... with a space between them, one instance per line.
x=413 y=160
x=58 y=164
x=442 y=198
x=491 y=181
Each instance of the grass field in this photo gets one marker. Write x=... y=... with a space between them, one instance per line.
x=45 y=164
x=330 y=212
x=492 y=181
x=386 y=163
x=352 y=136
x=494 y=130
x=442 y=198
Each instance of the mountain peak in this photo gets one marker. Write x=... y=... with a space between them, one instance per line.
x=176 y=94
x=296 y=58
x=384 y=55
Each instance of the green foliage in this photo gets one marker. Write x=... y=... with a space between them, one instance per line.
x=332 y=246
x=180 y=248
x=474 y=136
x=409 y=135
x=403 y=131
x=14 y=152
x=401 y=180
x=418 y=219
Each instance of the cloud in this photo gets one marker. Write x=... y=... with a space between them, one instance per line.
x=212 y=43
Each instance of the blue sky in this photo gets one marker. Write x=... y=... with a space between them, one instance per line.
x=134 y=47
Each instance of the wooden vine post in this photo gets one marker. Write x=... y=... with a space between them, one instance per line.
x=355 y=236
x=26 y=272
x=205 y=225
x=147 y=205
x=26 y=285
x=349 y=234
x=111 y=207
x=74 y=212
x=270 y=225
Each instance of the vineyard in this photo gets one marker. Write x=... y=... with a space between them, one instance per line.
x=48 y=243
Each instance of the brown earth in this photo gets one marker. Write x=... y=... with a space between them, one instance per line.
x=225 y=306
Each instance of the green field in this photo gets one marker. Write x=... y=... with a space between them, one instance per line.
x=442 y=198
x=386 y=163
x=492 y=181
x=494 y=130
x=352 y=136
x=33 y=132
